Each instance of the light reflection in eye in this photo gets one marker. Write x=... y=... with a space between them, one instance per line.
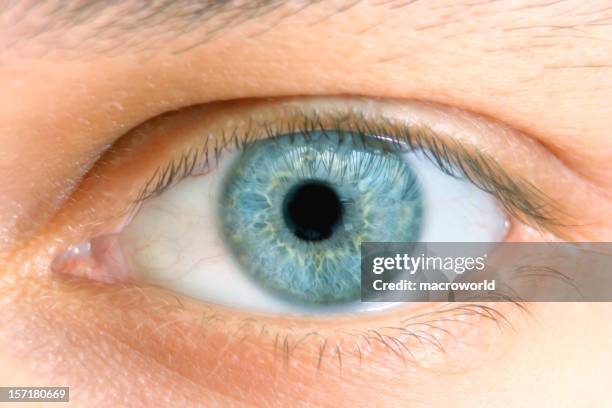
x=226 y=237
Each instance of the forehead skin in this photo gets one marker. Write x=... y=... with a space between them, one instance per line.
x=75 y=79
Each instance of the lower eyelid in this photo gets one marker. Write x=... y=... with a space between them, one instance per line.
x=197 y=340
x=219 y=348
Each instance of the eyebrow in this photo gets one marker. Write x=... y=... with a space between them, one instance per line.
x=130 y=24
x=124 y=22
x=135 y=25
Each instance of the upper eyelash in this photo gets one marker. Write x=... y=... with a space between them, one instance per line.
x=520 y=198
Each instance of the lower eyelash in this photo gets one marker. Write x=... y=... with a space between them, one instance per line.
x=423 y=340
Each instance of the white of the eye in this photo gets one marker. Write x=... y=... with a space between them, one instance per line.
x=175 y=241
x=455 y=209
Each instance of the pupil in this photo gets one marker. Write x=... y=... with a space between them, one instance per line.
x=312 y=210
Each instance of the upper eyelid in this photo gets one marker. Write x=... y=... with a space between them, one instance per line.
x=520 y=198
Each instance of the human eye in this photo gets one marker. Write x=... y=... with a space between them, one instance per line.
x=141 y=265
x=263 y=205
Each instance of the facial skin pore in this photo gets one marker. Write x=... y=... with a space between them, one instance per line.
x=74 y=82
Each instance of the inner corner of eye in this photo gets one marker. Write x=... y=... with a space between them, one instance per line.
x=278 y=227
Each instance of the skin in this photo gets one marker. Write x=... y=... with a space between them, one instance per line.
x=542 y=68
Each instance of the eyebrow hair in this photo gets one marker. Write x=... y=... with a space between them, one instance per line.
x=119 y=22
x=117 y=26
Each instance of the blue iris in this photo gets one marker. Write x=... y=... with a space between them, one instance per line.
x=295 y=209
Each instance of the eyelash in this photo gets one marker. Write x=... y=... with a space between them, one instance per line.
x=521 y=199
x=423 y=332
x=431 y=332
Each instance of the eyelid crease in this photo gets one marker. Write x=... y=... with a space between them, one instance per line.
x=520 y=198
